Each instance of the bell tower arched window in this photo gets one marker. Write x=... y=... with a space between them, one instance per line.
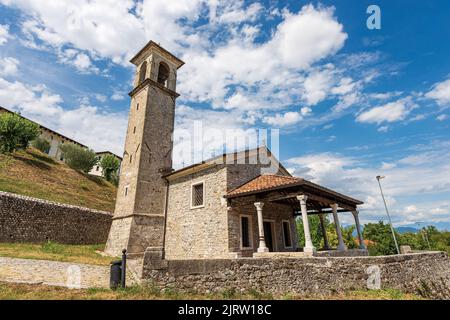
x=163 y=73
x=142 y=72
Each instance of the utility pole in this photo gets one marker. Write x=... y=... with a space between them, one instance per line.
x=387 y=212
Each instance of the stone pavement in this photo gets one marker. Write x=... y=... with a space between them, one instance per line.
x=53 y=273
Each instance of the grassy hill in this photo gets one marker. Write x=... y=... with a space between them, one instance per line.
x=33 y=173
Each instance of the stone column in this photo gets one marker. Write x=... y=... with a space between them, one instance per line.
x=362 y=245
x=262 y=242
x=341 y=245
x=326 y=246
x=308 y=243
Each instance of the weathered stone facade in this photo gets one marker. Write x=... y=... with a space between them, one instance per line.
x=425 y=273
x=273 y=213
x=200 y=232
x=213 y=230
x=25 y=219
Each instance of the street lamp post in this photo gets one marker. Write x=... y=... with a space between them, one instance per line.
x=387 y=212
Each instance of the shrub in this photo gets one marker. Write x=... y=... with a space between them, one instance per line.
x=16 y=132
x=79 y=158
x=110 y=165
x=41 y=144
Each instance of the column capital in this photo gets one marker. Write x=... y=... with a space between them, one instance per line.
x=334 y=207
x=259 y=205
x=355 y=212
x=302 y=197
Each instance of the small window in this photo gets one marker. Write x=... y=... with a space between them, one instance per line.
x=197 y=195
x=126 y=191
x=134 y=130
x=137 y=106
x=131 y=158
x=287 y=234
x=245 y=232
x=98 y=168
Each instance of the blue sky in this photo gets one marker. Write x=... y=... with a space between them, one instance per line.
x=350 y=103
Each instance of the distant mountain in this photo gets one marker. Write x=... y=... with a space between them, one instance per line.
x=406 y=229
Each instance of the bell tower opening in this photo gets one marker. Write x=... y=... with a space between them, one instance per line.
x=163 y=73
x=142 y=72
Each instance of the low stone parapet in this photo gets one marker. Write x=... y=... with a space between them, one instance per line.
x=427 y=274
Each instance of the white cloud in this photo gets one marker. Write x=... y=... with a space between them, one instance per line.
x=88 y=124
x=405 y=180
x=442 y=117
x=440 y=93
x=390 y=112
x=117 y=96
x=282 y=120
x=8 y=66
x=4 y=34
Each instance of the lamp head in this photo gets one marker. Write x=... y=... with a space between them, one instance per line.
x=380 y=177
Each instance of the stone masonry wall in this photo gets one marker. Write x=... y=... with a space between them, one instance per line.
x=198 y=232
x=25 y=219
x=427 y=274
x=272 y=212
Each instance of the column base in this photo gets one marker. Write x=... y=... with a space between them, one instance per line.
x=341 y=248
x=309 y=249
x=265 y=249
x=363 y=247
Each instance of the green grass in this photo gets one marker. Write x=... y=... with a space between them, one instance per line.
x=9 y=291
x=33 y=173
x=56 y=252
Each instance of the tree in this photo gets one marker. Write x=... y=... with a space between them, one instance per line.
x=110 y=165
x=79 y=158
x=41 y=144
x=16 y=132
x=381 y=236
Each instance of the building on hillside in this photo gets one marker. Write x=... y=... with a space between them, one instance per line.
x=242 y=204
x=97 y=170
x=57 y=139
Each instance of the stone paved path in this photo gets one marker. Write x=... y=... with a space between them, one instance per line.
x=53 y=273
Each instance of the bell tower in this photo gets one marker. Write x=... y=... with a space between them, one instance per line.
x=139 y=215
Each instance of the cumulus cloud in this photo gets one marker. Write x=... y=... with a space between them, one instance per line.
x=8 y=66
x=440 y=93
x=282 y=120
x=390 y=112
x=408 y=178
x=4 y=34
x=88 y=124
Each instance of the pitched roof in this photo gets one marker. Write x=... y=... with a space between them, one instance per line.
x=265 y=182
x=270 y=182
x=234 y=157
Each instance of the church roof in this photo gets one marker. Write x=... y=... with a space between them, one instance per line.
x=236 y=157
x=265 y=183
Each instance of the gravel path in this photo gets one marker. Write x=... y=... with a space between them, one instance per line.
x=53 y=273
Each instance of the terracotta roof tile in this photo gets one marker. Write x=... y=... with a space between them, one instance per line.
x=265 y=182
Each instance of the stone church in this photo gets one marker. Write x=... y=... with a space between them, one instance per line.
x=242 y=204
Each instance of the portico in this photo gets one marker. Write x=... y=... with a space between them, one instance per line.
x=269 y=192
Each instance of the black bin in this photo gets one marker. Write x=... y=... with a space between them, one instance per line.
x=115 y=274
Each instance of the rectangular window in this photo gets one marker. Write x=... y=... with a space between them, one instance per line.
x=287 y=234
x=126 y=191
x=198 y=193
x=246 y=241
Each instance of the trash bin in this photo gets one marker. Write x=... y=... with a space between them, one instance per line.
x=115 y=274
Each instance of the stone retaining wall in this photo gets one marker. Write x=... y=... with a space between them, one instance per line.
x=25 y=219
x=427 y=274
